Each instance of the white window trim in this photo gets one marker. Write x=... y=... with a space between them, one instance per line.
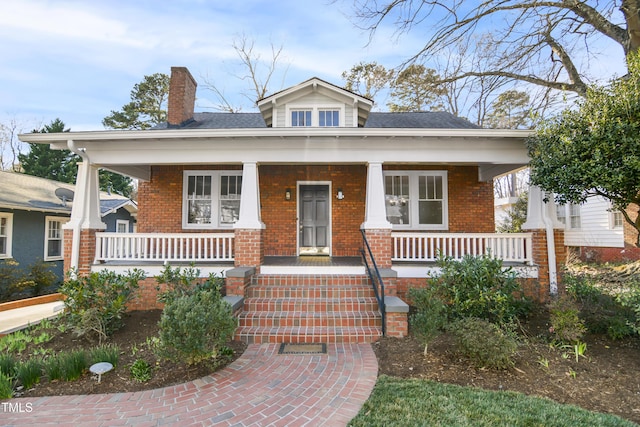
x=613 y=215
x=414 y=199
x=570 y=217
x=9 y=234
x=62 y=220
x=215 y=198
x=124 y=222
x=315 y=115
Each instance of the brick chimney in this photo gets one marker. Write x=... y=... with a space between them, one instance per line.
x=182 y=97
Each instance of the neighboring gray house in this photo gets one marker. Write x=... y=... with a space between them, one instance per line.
x=33 y=211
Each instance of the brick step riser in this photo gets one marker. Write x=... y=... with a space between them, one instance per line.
x=251 y=305
x=310 y=322
x=310 y=281
x=305 y=292
x=256 y=337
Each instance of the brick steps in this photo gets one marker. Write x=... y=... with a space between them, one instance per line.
x=307 y=309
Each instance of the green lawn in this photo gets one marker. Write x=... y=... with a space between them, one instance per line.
x=400 y=402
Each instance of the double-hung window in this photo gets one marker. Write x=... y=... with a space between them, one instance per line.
x=211 y=199
x=53 y=244
x=416 y=199
x=617 y=220
x=6 y=226
x=300 y=118
x=574 y=216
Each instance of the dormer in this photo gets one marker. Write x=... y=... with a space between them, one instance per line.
x=316 y=104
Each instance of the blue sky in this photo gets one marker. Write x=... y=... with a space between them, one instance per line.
x=78 y=60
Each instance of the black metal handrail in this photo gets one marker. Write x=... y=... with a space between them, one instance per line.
x=376 y=280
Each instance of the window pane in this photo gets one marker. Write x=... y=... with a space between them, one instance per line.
x=397 y=199
x=199 y=212
x=54 y=248
x=229 y=211
x=329 y=118
x=301 y=118
x=430 y=212
x=3 y=245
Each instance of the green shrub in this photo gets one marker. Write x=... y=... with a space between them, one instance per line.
x=42 y=276
x=195 y=327
x=184 y=282
x=52 y=368
x=15 y=342
x=566 y=325
x=104 y=353
x=12 y=280
x=140 y=370
x=479 y=287
x=430 y=315
x=95 y=304
x=484 y=343
x=73 y=364
x=6 y=386
x=7 y=363
x=29 y=372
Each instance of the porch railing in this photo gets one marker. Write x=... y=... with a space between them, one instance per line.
x=165 y=247
x=376 y=279
x=510 y=247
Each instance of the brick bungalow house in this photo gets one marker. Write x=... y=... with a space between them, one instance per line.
x=283 y=201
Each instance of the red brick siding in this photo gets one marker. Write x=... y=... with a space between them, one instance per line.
x=160 y=199
x=470 y=201
x=280 y=215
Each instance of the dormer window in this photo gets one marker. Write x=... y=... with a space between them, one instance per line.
x=315 y=116
x=329 y=118
x=300 y=117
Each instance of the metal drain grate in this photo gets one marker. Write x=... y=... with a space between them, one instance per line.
x=295 y=348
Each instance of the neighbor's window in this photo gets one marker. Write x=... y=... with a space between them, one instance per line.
x=211 y=198
x=122 y=226
x=53 y=238
x=6 y=225
x=416 y=199
x=300 y=117
x=561 y=213
x=617 y=220
x=574 y=215
x=329 y=118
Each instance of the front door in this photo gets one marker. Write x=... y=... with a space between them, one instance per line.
x=314 y=220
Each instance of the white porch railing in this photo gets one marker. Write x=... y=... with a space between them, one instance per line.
x=165 y=247
x=510 y=247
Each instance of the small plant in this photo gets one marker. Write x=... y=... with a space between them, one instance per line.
x=479 y=287
x=41 y=276
x=73 y=364
x=104 y=353
x=7 y=363
x=484 y=343
x=28 y=373
x=140 y=371
x=95 y=305
x=12 y=280
x=579 y=349
x=6 y=386
x=152 y=343
x=52 y=368
x=194 y=327
x=42 y=338
x=430 y=315
x=573 y=374
x=566 y=325
x=15 y=342
x=544 y=362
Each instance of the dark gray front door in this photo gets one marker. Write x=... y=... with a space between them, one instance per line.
x=314 y=220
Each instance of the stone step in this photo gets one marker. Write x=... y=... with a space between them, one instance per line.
x=310 y=291
x=311 y=280
x=308 y=319
x=260 y=335
x=310 y=304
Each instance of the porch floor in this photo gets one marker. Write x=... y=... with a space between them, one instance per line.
x=312 y=261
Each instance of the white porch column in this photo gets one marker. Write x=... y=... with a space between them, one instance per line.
x=375 y=216
x=250 y=217
x=85 y=212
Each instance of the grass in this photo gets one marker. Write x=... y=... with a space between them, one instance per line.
x=401 y=402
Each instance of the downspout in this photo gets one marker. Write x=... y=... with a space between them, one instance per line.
x=75 y=242
x=551 y=251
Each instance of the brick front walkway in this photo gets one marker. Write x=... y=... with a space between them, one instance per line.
x=261 y=388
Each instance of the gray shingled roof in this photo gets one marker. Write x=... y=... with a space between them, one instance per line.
x=26 y=192
x=424 y=120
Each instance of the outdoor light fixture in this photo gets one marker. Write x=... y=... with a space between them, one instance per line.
x=340 y=195
x=287 y=194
